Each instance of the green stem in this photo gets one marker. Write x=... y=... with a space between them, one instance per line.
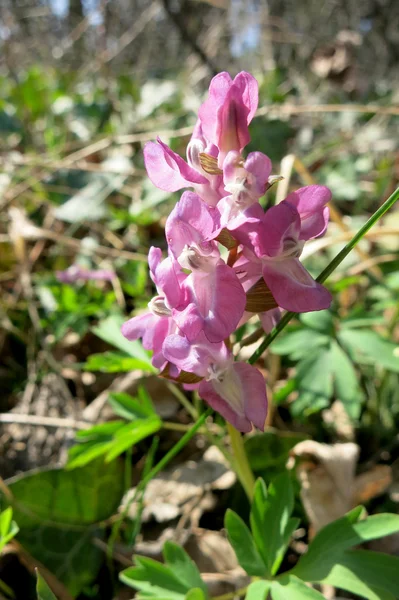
x=175 y=450
x=328 y=270
x=242 y=467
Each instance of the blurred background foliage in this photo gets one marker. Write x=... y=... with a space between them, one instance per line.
x=83 y=85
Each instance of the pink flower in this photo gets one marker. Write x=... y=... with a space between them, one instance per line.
x=236 y=390
x=276 y=242
x=154 y=326
x=214 y=298
x=201 y=299
x=246 y=181
x=226 y=114
x=191 y=223
x=310 y=202
x=170 y=172
x=76 y=273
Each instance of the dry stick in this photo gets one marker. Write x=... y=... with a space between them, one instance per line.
x=39 y=421
x=102 y=250
x=336 y=216
x=376 y=260
x=282 y=109
x=292 y=109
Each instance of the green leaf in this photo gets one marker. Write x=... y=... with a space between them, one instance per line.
x=110 y=439
x=116 y=362
x=258 y=590
x=327 y=547
x=95 y=442
x=127 y=407
x=271 y=449
x=368 y=347
x=109 y=330
x=314 y=379
x=243 y=544
x=367 y=574
x=60 y=513
x=178 y=579
x=270 y=520
x=320 y=320
x=42 y=589
x=291 y=588
x=132 y=434
x=8 y=527
x=346 y=383
x=297 y=343
x=183 y=567
x=195 y=594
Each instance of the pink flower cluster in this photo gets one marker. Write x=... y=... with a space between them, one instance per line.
x=227 y=257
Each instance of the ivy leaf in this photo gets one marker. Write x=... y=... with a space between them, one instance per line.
x=60 y=512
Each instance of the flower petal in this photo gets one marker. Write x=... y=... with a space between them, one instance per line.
x=293 y=287
x=220 y=300
x=166 y=277
x=310 y=202
x=207 y=391
x=194 y=357
x=260 y=166
x=279 y=223
x=191 y=221
x=240 y=397
x=167 y=170
x=229 y=109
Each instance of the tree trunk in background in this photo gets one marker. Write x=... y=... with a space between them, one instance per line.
x=75 y=14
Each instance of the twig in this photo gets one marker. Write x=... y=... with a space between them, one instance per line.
x=77 y=245
x=375 y=260
x=291 y=109
x=40 y=421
